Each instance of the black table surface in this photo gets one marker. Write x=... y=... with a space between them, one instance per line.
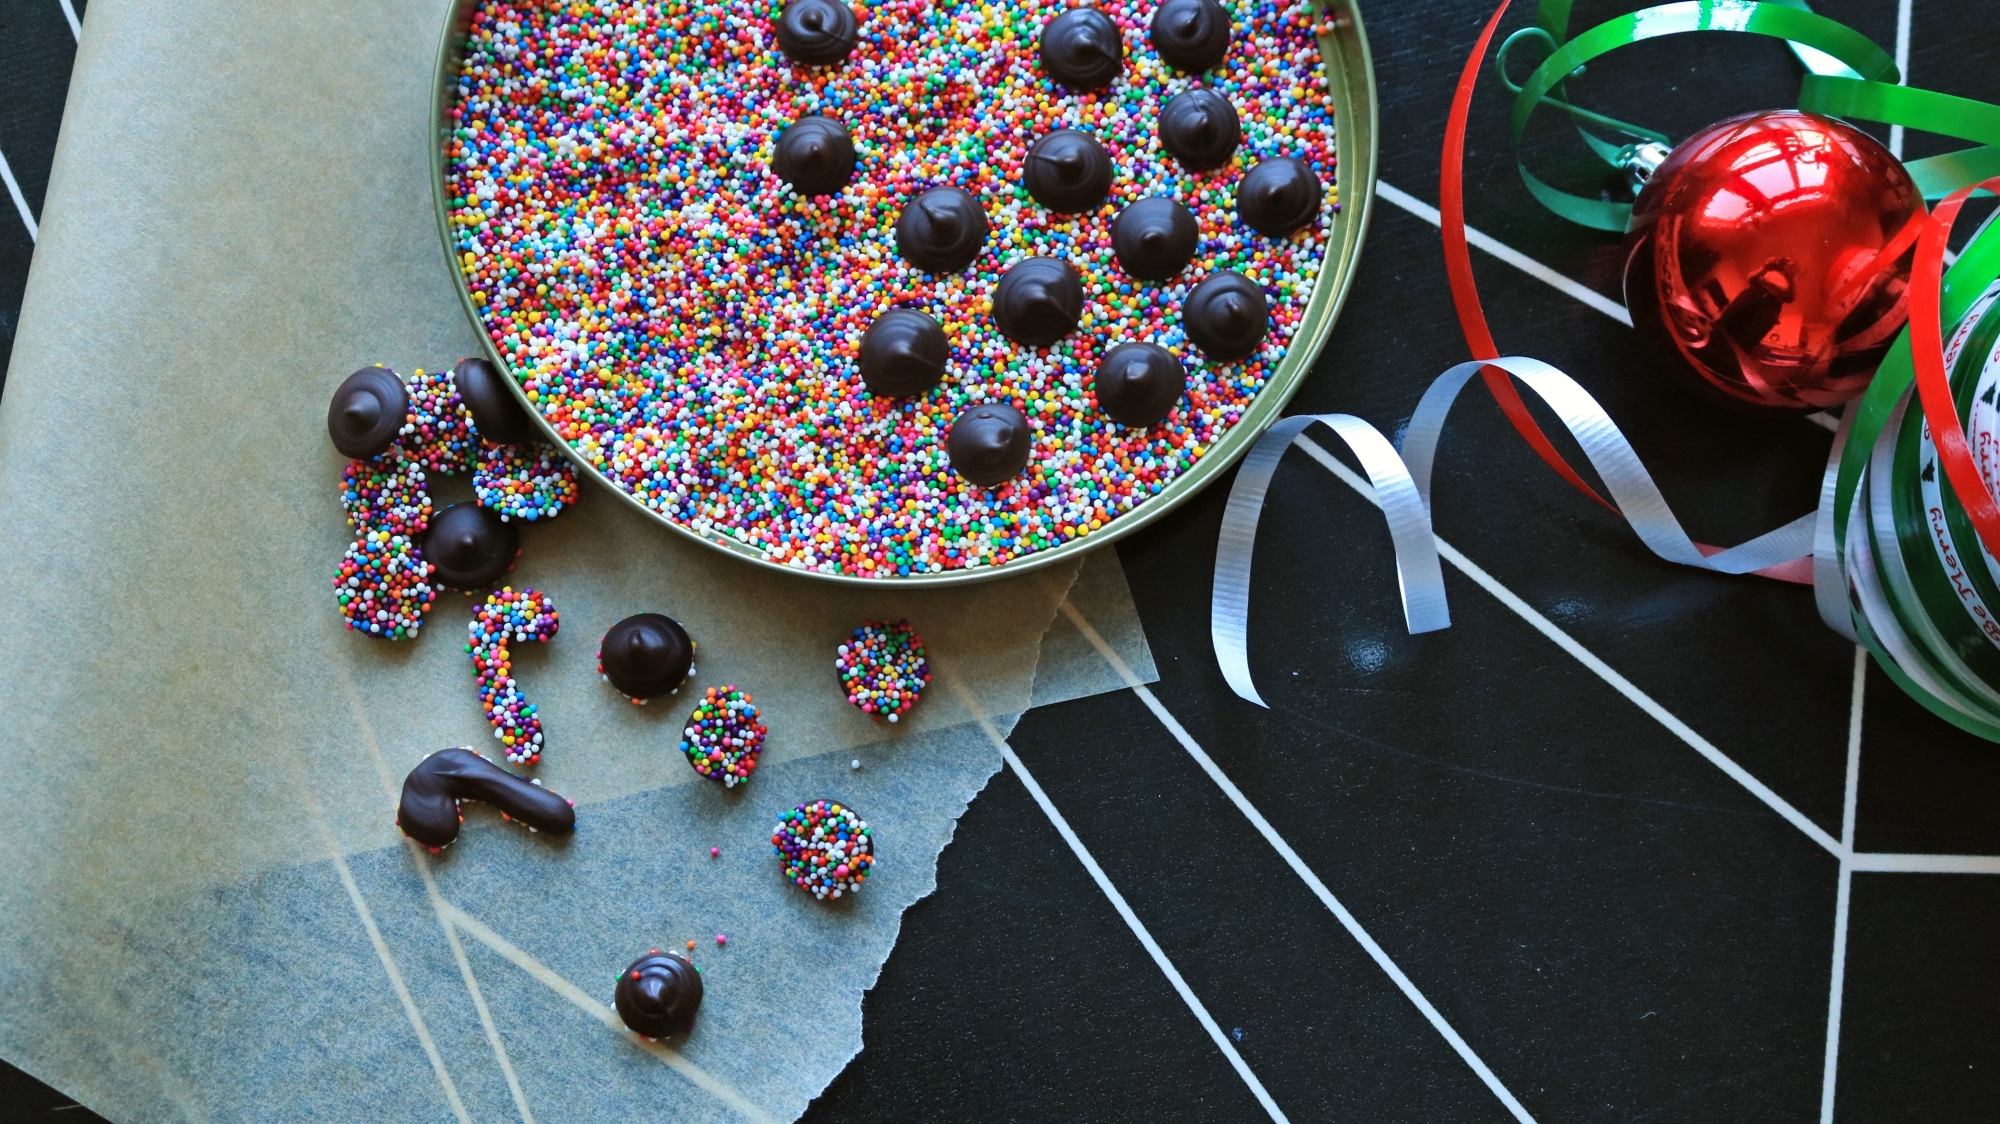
x=1545 y=886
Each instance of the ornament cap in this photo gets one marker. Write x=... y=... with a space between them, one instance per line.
x=1640 y=161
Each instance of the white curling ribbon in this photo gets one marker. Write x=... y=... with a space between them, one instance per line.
x=1403 y=490
x=1624 y=476
x=1417 y=570
x=1830 y=593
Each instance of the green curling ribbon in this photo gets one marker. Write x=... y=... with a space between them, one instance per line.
x=1850 y=77
x=1936 y=176
x=1779 y=21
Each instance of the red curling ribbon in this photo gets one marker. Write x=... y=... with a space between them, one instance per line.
x=1933 y=383
x=1458 y=269
x=1472 y=317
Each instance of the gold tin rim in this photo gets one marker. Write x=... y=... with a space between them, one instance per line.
x=1350 y=76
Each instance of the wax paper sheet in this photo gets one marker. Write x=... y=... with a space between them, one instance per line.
x=205 y=910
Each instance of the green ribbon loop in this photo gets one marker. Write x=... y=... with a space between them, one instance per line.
x=1964 y=118
x=1776 y=20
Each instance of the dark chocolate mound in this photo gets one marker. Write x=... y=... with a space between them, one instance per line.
x=428 y=811
x=1068 y=172
x=817 y=32
x=903 y=353
x=1199 y=128
x=1081 y=49
x=1278 y=197
x=1226 y=316
x=470 y=547
x=367 y=412
x=1155 y=238
x=1038 y=301
x=659 y=994
x=989 y=444
x=942 y=230
x=497 y=415
x=1138 y=383
x=814 y=155
x=1191 y=35
x=645 y=655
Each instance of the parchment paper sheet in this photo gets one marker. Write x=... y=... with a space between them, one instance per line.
x=205 y=910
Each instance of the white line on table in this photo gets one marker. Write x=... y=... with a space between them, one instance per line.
x=20 y=200
x=1111 y=893
x=486 y=1022
x=69 y=13
x=1875 y=862
x=1603 y=670
x=417 y=856
x=388 y=960
x=1340 y=912
x=549 y=978
x=1837 y=988
x=1896 y=131
x=1508 y=254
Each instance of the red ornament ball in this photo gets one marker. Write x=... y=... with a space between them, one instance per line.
x=1755 y=259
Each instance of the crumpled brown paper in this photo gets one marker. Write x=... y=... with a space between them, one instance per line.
x=205 y=910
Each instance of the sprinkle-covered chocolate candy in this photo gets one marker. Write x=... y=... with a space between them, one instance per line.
x=367 y=412
x=508 y=618
x=903 y=354
x=1191 y=35
x=438 y=434
x=1081 y=49
x=1139 y=383
x=497 y=415
x=883 y=668
x=1198 y=127
x=824 y=848
x=469 y=546
x=1226 y=316
x=989 y=444
x=814 y=155
x=723 y=736
x=817 y=32
x=428 y=811
x=646 y=654
x=942 y=230
x=1155 y=238
x=527 y=481
x=659 y=994
x=1278 y=196
x=1068 y=172
x=1038 y=301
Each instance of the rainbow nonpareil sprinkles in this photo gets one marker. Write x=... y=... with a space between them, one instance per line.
x=383 y=584
x=530 y=481
x=883 y=668
x=688 y=323
x=824 y=848
x=723 y=736
x=510 y=617
x=438 y=434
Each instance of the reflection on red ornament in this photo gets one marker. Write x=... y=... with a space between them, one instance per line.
x=1769 y=255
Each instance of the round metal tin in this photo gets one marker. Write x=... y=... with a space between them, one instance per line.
x=1350 y=76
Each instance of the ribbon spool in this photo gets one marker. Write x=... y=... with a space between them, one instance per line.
x=1910 y=526
x=1897 y=560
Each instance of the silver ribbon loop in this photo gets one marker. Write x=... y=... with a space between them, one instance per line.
x=1624 y=476
x=1830 y=591
x=1403 y=492
x=1417 y=570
